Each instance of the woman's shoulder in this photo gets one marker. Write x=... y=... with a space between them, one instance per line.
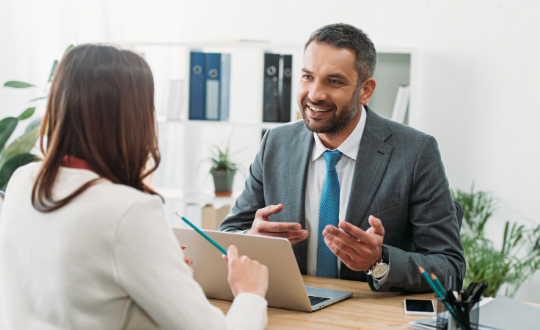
x=27 y=169
x=122 y=194
x=105 y=193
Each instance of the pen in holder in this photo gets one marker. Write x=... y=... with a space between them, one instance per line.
x=467 y=311
x=451 y=312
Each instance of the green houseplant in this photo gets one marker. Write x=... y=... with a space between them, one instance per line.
x=223 y=170
x=17 y=153
x=517 y=259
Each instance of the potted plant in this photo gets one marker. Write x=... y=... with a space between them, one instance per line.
x=518 y=258
x=223 y=171
x=17 y=153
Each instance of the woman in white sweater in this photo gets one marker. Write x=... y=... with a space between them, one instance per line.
x=84 y=243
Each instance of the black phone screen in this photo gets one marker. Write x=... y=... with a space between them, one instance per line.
x=417 y=305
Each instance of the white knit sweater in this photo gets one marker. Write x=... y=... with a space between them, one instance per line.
x=107 y=260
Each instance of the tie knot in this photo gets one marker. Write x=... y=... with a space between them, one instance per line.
x=332 y=157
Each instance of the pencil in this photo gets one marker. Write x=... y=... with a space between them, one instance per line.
x=439 y=285
x=203 y=234
x=443 y=299
x=430 y=282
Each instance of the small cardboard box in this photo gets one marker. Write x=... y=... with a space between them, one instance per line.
x=212 y=218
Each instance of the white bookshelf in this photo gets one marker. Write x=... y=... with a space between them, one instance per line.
x=204 y=197
x=183 y=177
x=199 y=123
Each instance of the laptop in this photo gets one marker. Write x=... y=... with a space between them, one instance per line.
x=286 y=287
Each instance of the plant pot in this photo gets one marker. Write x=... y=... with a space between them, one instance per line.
x=223 y=182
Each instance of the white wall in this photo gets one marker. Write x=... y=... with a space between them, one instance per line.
x=477 y=82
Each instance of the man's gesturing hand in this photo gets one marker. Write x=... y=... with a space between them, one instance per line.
x=290 y=230
x=358 y=254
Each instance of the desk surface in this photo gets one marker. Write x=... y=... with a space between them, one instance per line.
x=364 y=310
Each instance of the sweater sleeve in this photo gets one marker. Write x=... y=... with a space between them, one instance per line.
x=149 y=266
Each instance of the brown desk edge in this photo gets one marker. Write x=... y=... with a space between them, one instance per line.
x=364 y=310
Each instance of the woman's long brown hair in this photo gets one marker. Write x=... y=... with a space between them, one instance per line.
x=100 y=109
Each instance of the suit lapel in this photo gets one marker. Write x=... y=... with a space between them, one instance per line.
x=371 y=164
x=298 y=154
x=298 y=157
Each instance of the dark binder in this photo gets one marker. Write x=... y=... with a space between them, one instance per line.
x=213 y=85
x=285 y=90
x=197 y=86
x=271 y=88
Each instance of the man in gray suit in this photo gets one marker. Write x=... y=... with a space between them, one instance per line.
x=360 y=197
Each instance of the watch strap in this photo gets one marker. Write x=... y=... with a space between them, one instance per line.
x=385 y=255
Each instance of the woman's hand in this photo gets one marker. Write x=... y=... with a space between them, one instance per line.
x=246 y=275
x=187 y=259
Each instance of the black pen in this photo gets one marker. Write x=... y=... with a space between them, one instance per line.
x=479 y=291
x=467 y=293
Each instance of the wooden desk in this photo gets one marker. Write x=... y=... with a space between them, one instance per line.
x=364 y=310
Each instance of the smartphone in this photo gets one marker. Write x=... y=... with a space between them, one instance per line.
x=419 y=307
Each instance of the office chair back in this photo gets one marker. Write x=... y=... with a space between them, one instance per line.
x=459 y=214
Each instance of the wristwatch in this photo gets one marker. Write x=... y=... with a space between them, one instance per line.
x=378 y=270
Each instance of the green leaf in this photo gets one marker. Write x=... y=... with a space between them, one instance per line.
x=7 y=126
x=69 y=47
x=55 y=63
x=22 y=144
x=38 y=98
x=27 y=113
x=517 y=259
x=12 y=164
x=18 y=84
x=33 y=125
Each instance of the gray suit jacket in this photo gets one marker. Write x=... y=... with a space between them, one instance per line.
x=398 y=177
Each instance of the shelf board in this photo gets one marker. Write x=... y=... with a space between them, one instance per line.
x=252 y=44
x=216 y=44
x=162 y=119
x=203 y=197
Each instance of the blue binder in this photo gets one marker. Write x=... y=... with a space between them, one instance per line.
x=213 y=85
x=197 y=86
x=225 y=86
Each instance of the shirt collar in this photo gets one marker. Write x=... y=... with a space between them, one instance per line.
x=349 y=147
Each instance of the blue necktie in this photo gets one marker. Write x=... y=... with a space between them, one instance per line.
x=328 y=215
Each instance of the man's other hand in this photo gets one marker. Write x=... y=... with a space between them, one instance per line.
x=358 y=254
x=290 y=230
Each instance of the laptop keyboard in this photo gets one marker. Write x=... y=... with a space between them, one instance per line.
x=317 y=300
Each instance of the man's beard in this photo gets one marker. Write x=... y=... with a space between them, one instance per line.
x=340 y=120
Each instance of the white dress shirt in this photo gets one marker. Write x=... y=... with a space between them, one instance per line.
x=106 y=260
x=315 y=181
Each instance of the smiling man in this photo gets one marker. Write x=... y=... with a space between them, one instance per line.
x=359 y=197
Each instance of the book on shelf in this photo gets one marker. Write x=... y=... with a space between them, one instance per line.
x=174 y=107
x=209 y=88
x=277 y=88
x=401 y=104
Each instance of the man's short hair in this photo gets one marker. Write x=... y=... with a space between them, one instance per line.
x=342 y=35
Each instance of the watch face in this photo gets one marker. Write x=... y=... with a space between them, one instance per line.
x=379 y=271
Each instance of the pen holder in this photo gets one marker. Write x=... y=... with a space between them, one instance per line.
x=467 y=311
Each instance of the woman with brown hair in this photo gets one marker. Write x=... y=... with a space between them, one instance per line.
x=84 y=243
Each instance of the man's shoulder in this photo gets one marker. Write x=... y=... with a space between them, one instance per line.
x=288 y=131
x=401 y=134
